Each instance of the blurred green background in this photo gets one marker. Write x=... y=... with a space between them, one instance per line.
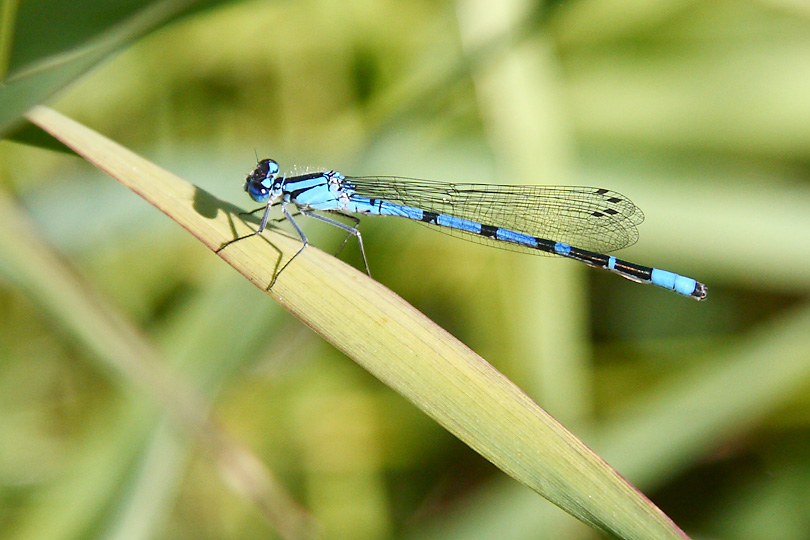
x=697 y=111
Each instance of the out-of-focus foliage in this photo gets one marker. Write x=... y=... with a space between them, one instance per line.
x=698 y=111
x=33 y=68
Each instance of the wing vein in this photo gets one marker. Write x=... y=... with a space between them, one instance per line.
x=590 y=218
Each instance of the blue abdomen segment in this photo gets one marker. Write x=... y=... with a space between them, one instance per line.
x=634 y=272
x=672 y=281
x=455 y=223
x=561 y=248
x=378 y=207
x=518 y=238
x=641 y=274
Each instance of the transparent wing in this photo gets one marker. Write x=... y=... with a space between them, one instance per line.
x=590 y=218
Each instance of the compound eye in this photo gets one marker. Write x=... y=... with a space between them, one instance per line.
x=257 y=191
x=260 y=181
x=269 y=166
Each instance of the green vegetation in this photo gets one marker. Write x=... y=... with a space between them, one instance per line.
x=120 y=333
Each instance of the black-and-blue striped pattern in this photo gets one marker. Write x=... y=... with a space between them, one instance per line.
x=582 y=221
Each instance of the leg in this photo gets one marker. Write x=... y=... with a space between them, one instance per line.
x=356 y=227
x=301 y=234
x=352 y=231
x=262 y=225
x=349 y=229
x=295 y=213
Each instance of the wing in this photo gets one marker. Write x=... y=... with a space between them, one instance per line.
x=590 y=218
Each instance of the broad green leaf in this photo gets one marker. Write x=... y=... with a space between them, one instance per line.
x=396 y=343
x=53 y=43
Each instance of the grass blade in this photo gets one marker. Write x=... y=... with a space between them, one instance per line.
x=396 y=343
